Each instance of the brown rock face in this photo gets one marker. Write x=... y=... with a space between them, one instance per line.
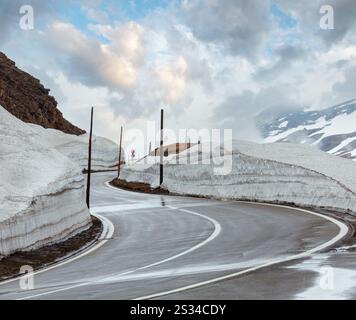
x=27 y=99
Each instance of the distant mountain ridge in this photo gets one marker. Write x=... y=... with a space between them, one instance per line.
x=332 y=130
x=28 y=100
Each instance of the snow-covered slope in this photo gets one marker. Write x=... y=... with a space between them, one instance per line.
x=105 y=153
x=41 y=191
x=332 y=130
x=281 y=172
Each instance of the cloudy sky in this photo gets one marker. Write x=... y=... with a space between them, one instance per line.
x=209 y=63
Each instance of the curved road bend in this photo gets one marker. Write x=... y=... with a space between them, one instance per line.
x=162 y=243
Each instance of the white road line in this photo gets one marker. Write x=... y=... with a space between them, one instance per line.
x=343 y=230
x=107 y=183
x=124 y=207
x=108 y=231
x=216 y=232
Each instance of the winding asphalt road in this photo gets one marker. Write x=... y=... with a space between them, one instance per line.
x=174 y=247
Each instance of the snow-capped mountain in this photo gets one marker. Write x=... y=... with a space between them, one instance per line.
x=332 y=130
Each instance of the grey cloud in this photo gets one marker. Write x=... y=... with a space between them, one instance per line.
x=199 y=66
x=239 y=112
x=128 y=106
x=240 y=26
x=287 y=56
x=289 y=53
x=341 y=63
x=9 y=19
x=308 y=15
x=345 y=20
x=199 y=69
x=84 y=59
x=80 y=68
x=10 y=16
x=346 y=89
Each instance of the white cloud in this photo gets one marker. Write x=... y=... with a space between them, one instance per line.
x=114 y=65
x=172 y=79
x=206 y=62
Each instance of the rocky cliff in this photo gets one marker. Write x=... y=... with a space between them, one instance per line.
x=27 y=99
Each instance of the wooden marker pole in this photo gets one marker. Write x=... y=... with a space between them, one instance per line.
x=200 y=154
x=120 y=145
x=89 y=158
x=161 y=151
x=177 y=151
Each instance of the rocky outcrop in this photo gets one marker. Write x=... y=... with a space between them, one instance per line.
x=28 y=100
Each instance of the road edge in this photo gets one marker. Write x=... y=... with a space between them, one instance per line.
x=343 y=231
x=106 y=234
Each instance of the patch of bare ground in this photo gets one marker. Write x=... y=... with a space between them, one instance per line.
x=46 y=256
x=137 y=187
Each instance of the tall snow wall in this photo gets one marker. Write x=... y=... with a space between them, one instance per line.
x=42 y=195
x=276 y=173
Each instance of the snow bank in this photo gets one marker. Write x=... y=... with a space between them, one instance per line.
x=105 y=153
x=42 y=196
x=282 y=173
x=339 y=169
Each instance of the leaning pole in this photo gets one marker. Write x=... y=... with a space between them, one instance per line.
x=161 y=152
x=118 y=169
x=89 y=157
